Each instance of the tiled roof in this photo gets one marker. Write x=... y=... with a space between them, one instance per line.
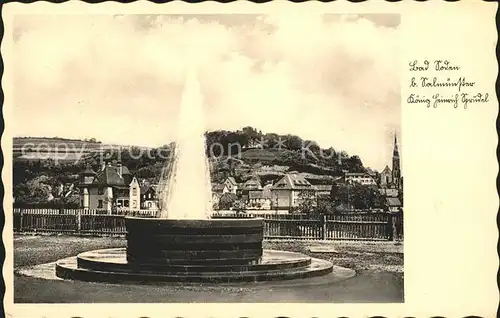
x=393 y=202
x=125 y=170
x=386 y=170
x=89 y=171
x=357 y=174
x=323 y=187
x=232 y=180
x=146 y=188
x=109 y=177
x=252 y=184
x=218 y=187
x=293 y=181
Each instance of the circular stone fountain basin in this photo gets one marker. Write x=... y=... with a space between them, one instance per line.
x=211 y=251
x=111 y=265
x=160 y=242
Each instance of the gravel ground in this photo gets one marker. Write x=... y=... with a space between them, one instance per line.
x=379 y=268
x=386 y=256
x=39 y=249
x=382 y=256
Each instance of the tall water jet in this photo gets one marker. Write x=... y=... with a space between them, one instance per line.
x=187 y=191
x=185 y=244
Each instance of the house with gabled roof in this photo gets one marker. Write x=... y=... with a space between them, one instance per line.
x=385 y=177
x=362 y=178
x=260 y=199
x=251 y=185
x=149 y=197
x=394 y=205
x=230 y=185
x=111 y=187
x=289 y=190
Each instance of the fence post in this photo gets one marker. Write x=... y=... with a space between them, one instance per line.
x=323 y=227
x=394 y=226
x=21 y=220
x=78 y=220
x=390 y=226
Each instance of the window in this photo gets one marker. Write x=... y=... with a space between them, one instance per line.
x=134 y=204
x=125 y=203
x=149 y=195
x=134 y=191
x=99 y=204
x=100 y=190
x=150 y=204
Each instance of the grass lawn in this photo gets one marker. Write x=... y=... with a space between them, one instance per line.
x=379 y=278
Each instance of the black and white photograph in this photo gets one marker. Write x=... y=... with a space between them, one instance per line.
x=249 y=160
x=207 y=158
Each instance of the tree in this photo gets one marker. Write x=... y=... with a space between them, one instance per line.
x=33 y=192
x=333 y=191
x=330 y=157
x=293 y=142
x=358 y=196
x=325 y=207
x=340 y=193
x=70 y=201
x=146 y=173
x=307 y=202
x=251 y=133
x=313 y=146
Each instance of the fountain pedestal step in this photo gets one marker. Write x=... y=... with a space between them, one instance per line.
x=115 y=260
x=111 y=266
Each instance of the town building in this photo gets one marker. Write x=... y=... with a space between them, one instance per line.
x=149 y=197
x=229 y=185
x=389 y=191
x=362 y=178
x=217 y=192
x=251 y=185
x=259 y=199
x=386 y=177
x=110 y=188
x=391 y=182
x=289 y=191
x=392 y=179
x=394 y=205
x=323 y=189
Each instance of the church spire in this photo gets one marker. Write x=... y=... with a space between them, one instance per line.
x=396 y=151
x=396 y=172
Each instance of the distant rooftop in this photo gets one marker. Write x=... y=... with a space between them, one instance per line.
x=293 y=181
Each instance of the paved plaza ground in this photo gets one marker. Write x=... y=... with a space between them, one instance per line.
x=378 y=266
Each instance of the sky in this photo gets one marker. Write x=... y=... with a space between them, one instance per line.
x=328 y=78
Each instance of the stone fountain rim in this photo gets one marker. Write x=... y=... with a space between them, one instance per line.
x=198 y=222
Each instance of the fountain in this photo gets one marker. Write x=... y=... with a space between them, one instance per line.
x=185 y=244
